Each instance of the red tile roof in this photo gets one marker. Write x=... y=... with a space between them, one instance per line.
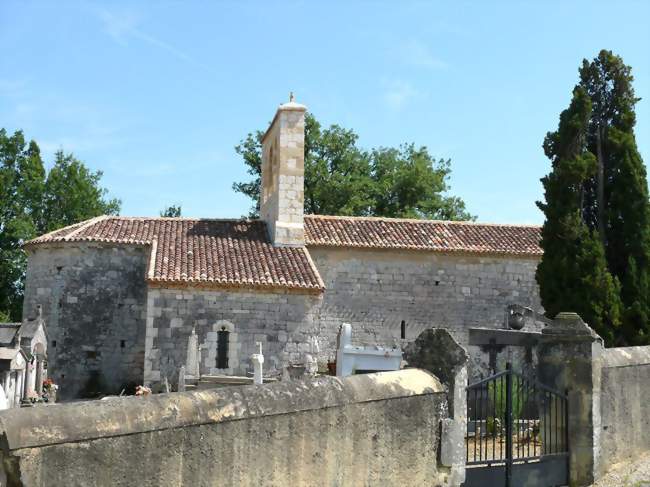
x=215 y=253
x=442 y=236
x=238 y=253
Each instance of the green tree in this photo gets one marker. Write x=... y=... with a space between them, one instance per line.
x=172 y=211
x=409 y=183
x=33 y=202
x=573 y=273
x=73 y=194
x=617 y=203
x=613 y=204
x=21 y=194
x=342 y=179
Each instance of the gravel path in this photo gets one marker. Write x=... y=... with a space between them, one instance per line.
x=632 y=474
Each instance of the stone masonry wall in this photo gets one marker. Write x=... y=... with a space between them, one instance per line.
x=97 y=307
x=375 y=290
x=372 y=290
x=93 y=298
x=283 y=323
x=376 y=429
x=624 y=405
x=283 y=168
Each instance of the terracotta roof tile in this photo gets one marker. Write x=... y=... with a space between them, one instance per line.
x=215 y=253
x=443 y=236
x=238 y=253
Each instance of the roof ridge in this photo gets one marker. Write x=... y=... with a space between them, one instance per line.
x=182 y=218
x=422 y=220
x=84 y=225
x=313 y=267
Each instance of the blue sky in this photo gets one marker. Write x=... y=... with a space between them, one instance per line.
x=157 y=94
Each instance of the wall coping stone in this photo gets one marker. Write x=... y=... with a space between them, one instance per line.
x=569 y=327
x=626 y=356
x=89 y=420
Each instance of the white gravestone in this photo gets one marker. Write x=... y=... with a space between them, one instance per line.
x=311 y=360
x=193 y=355
x=258 y=361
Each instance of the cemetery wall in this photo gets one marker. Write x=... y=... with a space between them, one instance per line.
x=624 y=404
x=376 y=429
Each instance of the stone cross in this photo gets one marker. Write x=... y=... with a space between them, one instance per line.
x=493 y=349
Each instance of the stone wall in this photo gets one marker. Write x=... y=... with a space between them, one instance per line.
x=93 y=298
x=283 y=181
x=282 y=322
x=96 y=303
x=624 y=405
x=375 y=290
x=377 y=429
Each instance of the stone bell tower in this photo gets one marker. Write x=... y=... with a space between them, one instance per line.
x=283 y=175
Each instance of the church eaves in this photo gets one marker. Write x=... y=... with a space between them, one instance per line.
x=202 y=252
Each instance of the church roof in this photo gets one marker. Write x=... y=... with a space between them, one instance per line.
x=213 y=253
x=432 y=235
x=239 y=253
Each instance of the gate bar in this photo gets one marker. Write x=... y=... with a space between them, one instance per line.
x=508 y=425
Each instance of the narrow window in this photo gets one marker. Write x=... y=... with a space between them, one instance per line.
x=403 y=330
x=223 y=337
x=53 y=343
x=122 y=343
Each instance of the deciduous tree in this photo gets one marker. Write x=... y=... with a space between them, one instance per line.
x=343 y=179
x=33 y=202
x=172 y=211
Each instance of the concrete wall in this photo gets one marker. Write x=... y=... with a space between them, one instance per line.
x=93 y=298
x=376 y=289
x=281 y=321
x=624 y=404
x=378 y=429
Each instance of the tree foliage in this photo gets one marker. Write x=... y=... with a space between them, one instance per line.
x=343 y=179
x=597 y=229
x=172 y=211
x=33 y=201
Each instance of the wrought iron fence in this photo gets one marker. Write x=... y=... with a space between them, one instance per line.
x=511 y=417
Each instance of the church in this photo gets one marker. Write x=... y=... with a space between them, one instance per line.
x=121 y=296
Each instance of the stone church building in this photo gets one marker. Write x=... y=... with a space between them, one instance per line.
x=121 y=295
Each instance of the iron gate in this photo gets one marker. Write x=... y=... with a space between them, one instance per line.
x=516 y=433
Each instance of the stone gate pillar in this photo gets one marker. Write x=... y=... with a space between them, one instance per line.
x=569 y=359
x=437 y=351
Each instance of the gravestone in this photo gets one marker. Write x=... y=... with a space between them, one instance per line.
x=193 y=355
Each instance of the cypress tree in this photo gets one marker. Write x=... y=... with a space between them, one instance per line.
x=573 y=274
x=611 y=212
x=622 y=202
